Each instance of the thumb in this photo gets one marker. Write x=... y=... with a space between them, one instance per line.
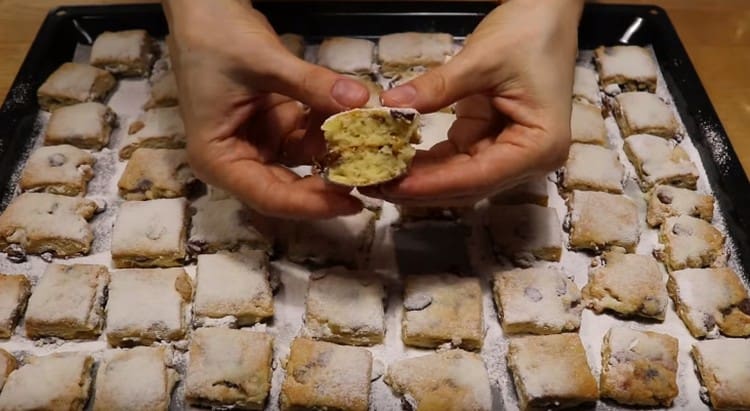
x=440 y=87
x=320 y=88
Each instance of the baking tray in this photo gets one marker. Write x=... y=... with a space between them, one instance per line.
x=67 y=26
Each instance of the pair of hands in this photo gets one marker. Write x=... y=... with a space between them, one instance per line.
x=240 y=94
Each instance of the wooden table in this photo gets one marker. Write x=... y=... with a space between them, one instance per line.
x=716 y=35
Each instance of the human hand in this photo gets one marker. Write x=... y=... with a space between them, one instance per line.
x=239 y=97
x=513 y=83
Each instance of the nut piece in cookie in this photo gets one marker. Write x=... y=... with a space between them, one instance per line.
x=62 y=169
x=400 y=51
x=233 y=284
x=229 y=369
x=148 y=305
x=587 y=125
x=690 y=242
x=724 y=370
x=150 y=233
x=586 y=87
x=84 y=125
x=628 y=284
x=599 y=221
x=370 y=146
x=74 y=83
x=345 y=307
x=347 y=55
x=537 y=301
x=59 y=381
x=644 y=113
x=154 y=173
x=38 y=223
x=595 y=168
x=525 y=233
x=68 y=302
x=160 y=127
x=135 y=379
x=447 y=380
x=639 y=367
x=226 y=224
x=125 y=53
x=711 y=300
x=453 y=314
x=631 y=67
x=14 y=292
x=325 y=376
x=667 y=201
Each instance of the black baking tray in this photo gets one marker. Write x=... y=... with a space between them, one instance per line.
x=67 y=26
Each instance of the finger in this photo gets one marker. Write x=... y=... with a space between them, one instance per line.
x=266 y=130
x=463 y=76
x=320 y=88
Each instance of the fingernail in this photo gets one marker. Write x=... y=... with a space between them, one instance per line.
x=348 y=93
x=400 y=96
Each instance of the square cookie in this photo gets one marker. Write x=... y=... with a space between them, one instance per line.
x=345 y=307
x=150 y=233
x=347 y=55
x=593 y=168
x=160 y=127
x=226 y=224
x=540 y=300
x=442 y=308
x=8 y=364
x=400 y=51
x=233 y=284
x=163 y=92
x=84 y=125
x=667 y=201
x=229 y=368
x=145 y=306
x=660 y=161
x=525 y=233
x=62 y=169
x=639 y=367
x=599 y=221
x=631 y=67
x=58 y=381
x=644 y=113
x=126 y=53
x=690 y=242
x=134 y=379
x=323 y=375
x=14 y=292
x=533 y=191
x=586 y=86
x=551 y=371
x=39 y=223
x=155 y=173
x=587 y=125
x=447 y=380
x=724 y=370
x=627 y=284
x=294 y=43
x=68 y=302
x=74 y=83
x=344 y=240
x=711 y=300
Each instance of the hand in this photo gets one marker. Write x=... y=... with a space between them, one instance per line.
x=239 y=97
x=513 y=83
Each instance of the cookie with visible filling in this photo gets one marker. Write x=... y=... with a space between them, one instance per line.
x=62 y=169
x=633 y=68
x=74 y=83
x=124 y=53
x=690 y=242
x=160 y=127
x=525 y=233
x=587 y=125
x=83 y=125
x=724 y=370
x=666 y=201
x=600 y=221
x=14 y=293
x=644 y=113
x=593 y=168
x=347 y=55
x=154 y=173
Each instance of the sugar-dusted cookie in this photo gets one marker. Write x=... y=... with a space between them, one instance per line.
x=447 y=380
x=724 y=370
x=690 y=242
x=667 y=201
x=68 y=302
x=84 y=125
x=587 y=125
x=163 y=92
x=533 y=191
x=594 y=168
x=659 y=161
x=294 y=43
x=600 y=221
x=586 y=86
x=631 y=67
x=147 y=305
x=154 y=173
x=226 y=224
x=711 y=300
x=400 y=51
x=74 y=83
x=229 y=368
x=160 y=127
x=14 y=293
x=551 y=371
x=525 y=232
x=323 y=375
x=125 y=53
x=62 y=169
x=347 y=55
x=639 y=367
x=644 y=113
x=38 y=223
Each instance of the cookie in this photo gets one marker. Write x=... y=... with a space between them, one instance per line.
x=74 y=83
x=600 y=221
x=14 y=293
x=724 y=370
x=658 y=161
x=62 y=169
x=154 y=173
x=8 y=364
x=125 y=53
x=666 y=201
x=160 y=127
x=226 y=224
x=525 y=233
x=347 y=55
x=690 y=242
x=644 y=113
x=587 y=125
x=83 y=125
x=400 y=51
x=163 y=92
x=593 y=168
x=586 y=86
x=633 y=68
